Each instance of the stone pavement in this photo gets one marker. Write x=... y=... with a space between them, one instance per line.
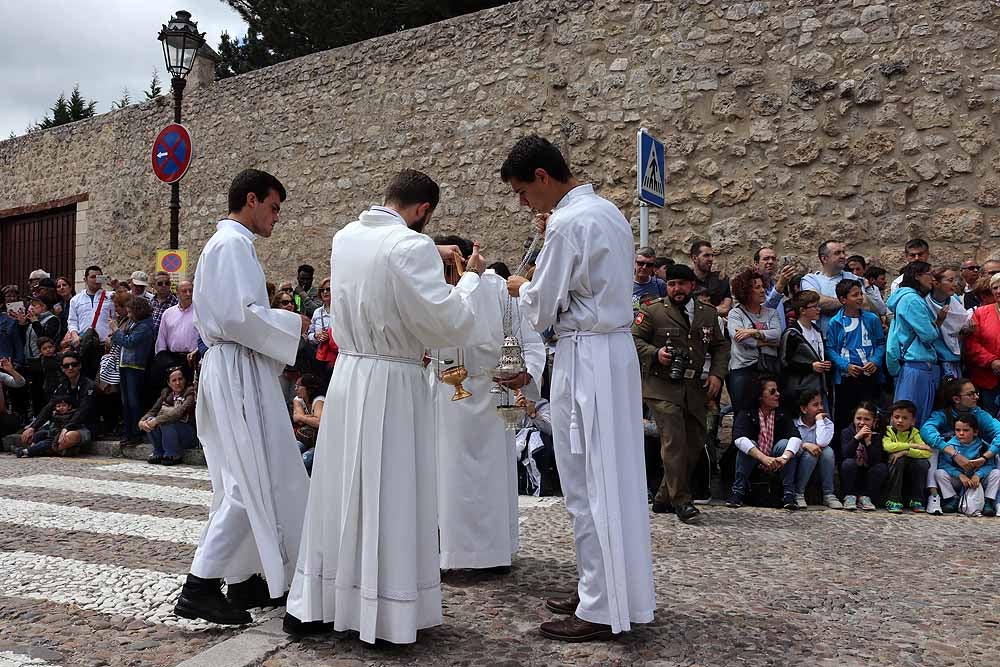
x=94 y=551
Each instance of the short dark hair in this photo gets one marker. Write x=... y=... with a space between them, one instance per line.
x=873 y=273
x=500 y=269
x=868 y=406
x=531 y=153
x=698 y=245
x=908 y=406
x=307 y=268
x=71 y=354
x=911 y=271
x=464 y=245
x=742 y=284
x=949 y=389
x=410 y=187
x=646 y=251
x=313 y=384
x=845 y=286
x=92 y=267
x=824 y=249
x=805 y=298
x=161 y=273
x=141 y=308
x=859 y=259
x=806 y=396
x=968 y=418
x=756 y=253
x=760 y=381
x=917 y=244
x=45 y=340
x=256 y=181
x=664 y=261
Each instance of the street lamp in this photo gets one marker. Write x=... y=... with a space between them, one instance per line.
x=181 y=43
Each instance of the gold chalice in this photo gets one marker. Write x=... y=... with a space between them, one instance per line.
x=455 y=376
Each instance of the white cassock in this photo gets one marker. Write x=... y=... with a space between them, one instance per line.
x=369 y=554
x=582 y=287
x=477 y=461
x=258 y=481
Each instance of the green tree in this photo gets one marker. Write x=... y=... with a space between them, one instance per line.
x=122 y=102
x=283 y=29
x=69 y=111
x=154 y=89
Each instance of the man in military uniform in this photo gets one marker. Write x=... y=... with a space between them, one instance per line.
x=674 y=336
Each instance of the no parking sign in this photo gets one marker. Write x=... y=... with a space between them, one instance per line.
x=173 y=262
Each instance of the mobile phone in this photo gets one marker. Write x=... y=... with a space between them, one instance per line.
x=786 y=260
x=16 y=307
x=101 y=279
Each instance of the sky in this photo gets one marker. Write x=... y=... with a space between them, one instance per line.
x=47 y=46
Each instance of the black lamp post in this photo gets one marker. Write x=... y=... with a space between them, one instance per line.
x=181 y=42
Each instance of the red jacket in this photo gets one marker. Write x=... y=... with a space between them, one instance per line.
x=982 y=347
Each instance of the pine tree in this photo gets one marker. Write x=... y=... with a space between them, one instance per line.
x=124 y=101
x=154 y=90
x=69 y=111
x=80 y=108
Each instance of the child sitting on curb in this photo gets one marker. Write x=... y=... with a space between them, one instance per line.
x=862 y=469
x=908 y=458
x=951 y=478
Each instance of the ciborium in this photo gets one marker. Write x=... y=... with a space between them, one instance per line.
x=454 y=376
x=512 y=416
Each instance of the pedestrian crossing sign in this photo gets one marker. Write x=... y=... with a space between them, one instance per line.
x=650 y=169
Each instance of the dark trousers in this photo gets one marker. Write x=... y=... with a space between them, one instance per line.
x=682 y=439
x=740 y=383
x=848 y=394
x=9 y=423
x=172 y=439
x=130 y=388
x=909 y=475
x=856 y=480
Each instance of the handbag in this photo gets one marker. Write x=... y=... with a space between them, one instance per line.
x=328 y=350
x=767 y=364
x=109 y=373
x=972 y=501
x=90 y=340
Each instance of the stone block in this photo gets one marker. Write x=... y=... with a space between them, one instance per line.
x=854 y=36
x=988 y=193
x=874 y=13
x=990 y=82
x=931 y=111
x=956 y=224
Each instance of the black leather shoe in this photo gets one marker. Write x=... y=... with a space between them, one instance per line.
x=566 y=605
x=662 y=508
x=575 y=629
x=498 y=569
x=252 y=593
x=688 y=512
x=155 y=460
x=203 y=598
x=293 y=626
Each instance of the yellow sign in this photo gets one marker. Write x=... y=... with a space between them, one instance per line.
x=172 y=261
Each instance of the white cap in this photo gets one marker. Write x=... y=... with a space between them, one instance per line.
x=38 y=274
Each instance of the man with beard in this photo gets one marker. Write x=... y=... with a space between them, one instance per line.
x=714 y=283
x=673 y=336
x=368 y=560
x=580 y=288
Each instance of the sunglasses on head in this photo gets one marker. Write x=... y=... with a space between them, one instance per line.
x=71 y=364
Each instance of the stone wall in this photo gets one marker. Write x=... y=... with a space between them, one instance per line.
x=786 y=122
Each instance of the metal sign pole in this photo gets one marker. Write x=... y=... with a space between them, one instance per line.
x=643 y=224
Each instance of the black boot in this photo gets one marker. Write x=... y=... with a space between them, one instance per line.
x=203 y=598
x=297 y=628
x=252 y=593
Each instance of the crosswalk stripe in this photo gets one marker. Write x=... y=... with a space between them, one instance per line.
x=11 y=659
x=102 y=587
x=63 y=517
x=150 y=470
x=171 y=494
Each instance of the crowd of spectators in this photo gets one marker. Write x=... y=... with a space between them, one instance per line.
x=846 y=389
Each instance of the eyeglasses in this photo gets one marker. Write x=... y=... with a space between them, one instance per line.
x=646 y=264
x=970 y=393
x=161 y=283
x=771 y=391
x=72 y=364
x=286 y=303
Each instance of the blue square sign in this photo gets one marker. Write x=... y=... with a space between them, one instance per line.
x=650 y=169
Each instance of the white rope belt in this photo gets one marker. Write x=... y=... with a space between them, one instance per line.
x=381 y=357
x=575 y=446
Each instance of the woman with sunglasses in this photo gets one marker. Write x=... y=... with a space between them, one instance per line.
x=768 y=439
x=954 y=397
x=80 y=391
x=319 y=325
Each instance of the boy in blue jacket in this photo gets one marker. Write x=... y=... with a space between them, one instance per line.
x=855 y=343
x=950 y=478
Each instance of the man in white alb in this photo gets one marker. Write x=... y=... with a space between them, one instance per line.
x=582 y=287
x=369 y=554
x=477 y=460
x=258 y=481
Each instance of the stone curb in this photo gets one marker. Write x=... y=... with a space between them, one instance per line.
x=247 y=648
x=111 y=449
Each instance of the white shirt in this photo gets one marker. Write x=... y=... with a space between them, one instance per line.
x=820 y=433
x=81 y=313
x=815 y=340
x=320 y=322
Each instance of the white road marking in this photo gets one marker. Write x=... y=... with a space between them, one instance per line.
x=63 y=517
x=109 y=487
x=132 y=468
x=11 y=659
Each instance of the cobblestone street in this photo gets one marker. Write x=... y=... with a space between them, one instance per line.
x=94 y=552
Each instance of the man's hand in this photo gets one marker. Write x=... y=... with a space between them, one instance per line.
x=962 y=462
x=870 y=368
x=663 y=356
x=778 y=462
x=523 y=403
x=476 y=261
x=514 y=284
x=448 y=252
x=541 y=221
x=812 y=448
x=6 y=366
x=515 y=382
x=973 y=481
x=713 y=385
x=854 y=371
x=819 y=367
x=191 y=357
x=896 y=456
x=26 y=435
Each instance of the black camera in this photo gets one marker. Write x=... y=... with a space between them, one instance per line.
x=678 y=363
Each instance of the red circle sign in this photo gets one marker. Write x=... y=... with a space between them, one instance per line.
x=172 y=153
x=171 y=262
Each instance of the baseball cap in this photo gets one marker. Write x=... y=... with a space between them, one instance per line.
x=38 y=274
x=140 y=278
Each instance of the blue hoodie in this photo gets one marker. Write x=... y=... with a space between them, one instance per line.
x=912 y=334
x=973 y=450
x=939 y=429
